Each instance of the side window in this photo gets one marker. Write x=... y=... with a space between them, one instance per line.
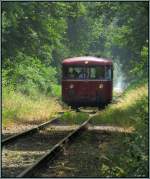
x=108 y=73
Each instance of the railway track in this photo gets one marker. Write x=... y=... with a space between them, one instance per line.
x=83 y=158
x=80 y=159
x=45 y=137
x=53 y=152
x=12 y=138
x=34 y=139
x=50 y=146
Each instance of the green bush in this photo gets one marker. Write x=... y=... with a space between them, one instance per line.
x=30 y=76
x=56 y=90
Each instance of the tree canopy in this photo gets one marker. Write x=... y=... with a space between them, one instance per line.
x=37 y=36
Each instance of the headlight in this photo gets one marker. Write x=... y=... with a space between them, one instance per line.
x=101 y=86
x=71 y=86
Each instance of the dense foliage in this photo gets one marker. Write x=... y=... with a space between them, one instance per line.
x=37 y=36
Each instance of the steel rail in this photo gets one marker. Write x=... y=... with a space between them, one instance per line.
x=51 y=154
x=27 y=132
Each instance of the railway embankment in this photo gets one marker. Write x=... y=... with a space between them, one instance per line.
x=107 y=151
x=115 y=143
x=86 y=157
x=21 y=112
x=131 y=111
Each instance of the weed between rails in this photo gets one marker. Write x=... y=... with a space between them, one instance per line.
x=73 y=117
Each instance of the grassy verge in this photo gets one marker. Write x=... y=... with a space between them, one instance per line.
x=131 y=160
x=19 y=108
x=127 y=111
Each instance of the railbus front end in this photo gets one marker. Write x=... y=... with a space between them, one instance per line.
x=87 y=81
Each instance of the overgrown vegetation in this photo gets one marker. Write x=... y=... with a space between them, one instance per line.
x=19 y=108
x=72 y=117
x=125 y=112
x=37 y=36
x=131 y=111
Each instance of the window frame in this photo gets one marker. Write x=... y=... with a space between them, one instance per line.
x=86 y=69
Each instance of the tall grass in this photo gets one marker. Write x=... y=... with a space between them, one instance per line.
x=127 y=110
x=131 y=159
x=17 y=107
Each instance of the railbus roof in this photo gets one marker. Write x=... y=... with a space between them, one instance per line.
x=88 y=60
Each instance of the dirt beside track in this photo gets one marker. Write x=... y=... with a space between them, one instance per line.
x=16 y=129
x=84 y=158
x=25 y=151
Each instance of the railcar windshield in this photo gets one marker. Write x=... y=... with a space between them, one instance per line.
x=97 y=72
x=74 y=72
x=90 y=72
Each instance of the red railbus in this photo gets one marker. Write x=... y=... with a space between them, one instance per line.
x=87 y=81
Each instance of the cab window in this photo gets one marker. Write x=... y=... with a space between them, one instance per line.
x=74 y=72
x=93 y=72
x=97 y=72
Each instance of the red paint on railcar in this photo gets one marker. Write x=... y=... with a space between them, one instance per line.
x=86 y=91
